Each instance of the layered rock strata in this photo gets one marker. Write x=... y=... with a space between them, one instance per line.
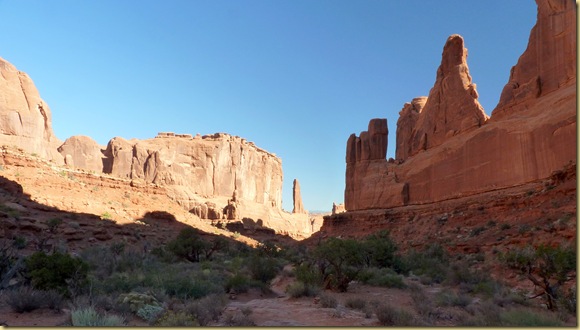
x=446 y=146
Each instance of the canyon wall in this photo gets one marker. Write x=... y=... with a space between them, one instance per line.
x=217 y=177
x=447 y=147
x=25 y=119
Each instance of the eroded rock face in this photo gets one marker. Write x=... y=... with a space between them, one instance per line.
x=408 y=117
x=297 y=198
x=212 y=165
x=452 y=106
x=461 y=156
x=83 y=152
x=549 y=61
x=25 y=119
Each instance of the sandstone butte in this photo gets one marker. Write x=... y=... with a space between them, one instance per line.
x=217 y=177
x=447 y=147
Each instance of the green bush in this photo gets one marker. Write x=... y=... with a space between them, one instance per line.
x=238 y=283
x=340 y=261
x=263 y=269
x=188 y=245
x=384 y=277
x=57 y=271
x=88 y=317
x=380 y=251
x=547 y=267
x=432 y=262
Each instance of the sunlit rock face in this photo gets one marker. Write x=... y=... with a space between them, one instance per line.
x=25 y=119
x=446 y=145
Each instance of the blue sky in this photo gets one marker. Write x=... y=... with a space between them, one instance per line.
x=296 y=77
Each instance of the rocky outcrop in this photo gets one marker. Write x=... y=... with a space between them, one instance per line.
x=297 y=198
x=25 y=119
x=452 y=151
x=452 y=106
x=408 y=117
x=82 y=152
x=549 y=61
x=208 y=166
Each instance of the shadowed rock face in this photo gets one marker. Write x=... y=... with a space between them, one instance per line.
x=25 y=119
x=446 y=147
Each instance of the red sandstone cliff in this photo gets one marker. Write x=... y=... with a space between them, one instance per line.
x=447 y=149
x=25 y=119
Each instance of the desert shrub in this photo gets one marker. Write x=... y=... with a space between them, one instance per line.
x=486 y=314
x=53 y=300
x=300 y=289
x=432 y=262
x=150 y=313
x=238 y=283
x=89 y=317
x=239 y=319
x=187 y=287
x=327 y=301
x=189 y=245
x=207 y=309
x=53 y=224
x=380 y=251
x=57 y=271
x=177 y=319
x=137 y=300
x=391 y=316
x=421 y=302
x=340 y=261
x=384 y=277
x=263 y=269
x=356 y=303
x=19 y=242
x=24 y=299
x=568 y=300
x=308 y=274
x=528 y=318
x=547 y=267
x=450 y=298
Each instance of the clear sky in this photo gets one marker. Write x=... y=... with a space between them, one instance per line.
x=296 y=77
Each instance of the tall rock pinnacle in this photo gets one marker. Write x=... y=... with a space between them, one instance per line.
x=298 y=206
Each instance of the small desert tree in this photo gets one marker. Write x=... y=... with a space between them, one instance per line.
x=188 y=245
x=547 y=267
x=340 y=261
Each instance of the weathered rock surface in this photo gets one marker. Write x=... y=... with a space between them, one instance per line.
x=297 y=198
x=452 y=106
x=82 y=152
x=527 y=141
x=408 y=117
x=212 y=165
x=549 y=61
x=25 y=119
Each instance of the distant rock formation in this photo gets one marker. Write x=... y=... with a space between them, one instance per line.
x=297 y=198
x=337 y=208
x=447 y=147
x=25 y=119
